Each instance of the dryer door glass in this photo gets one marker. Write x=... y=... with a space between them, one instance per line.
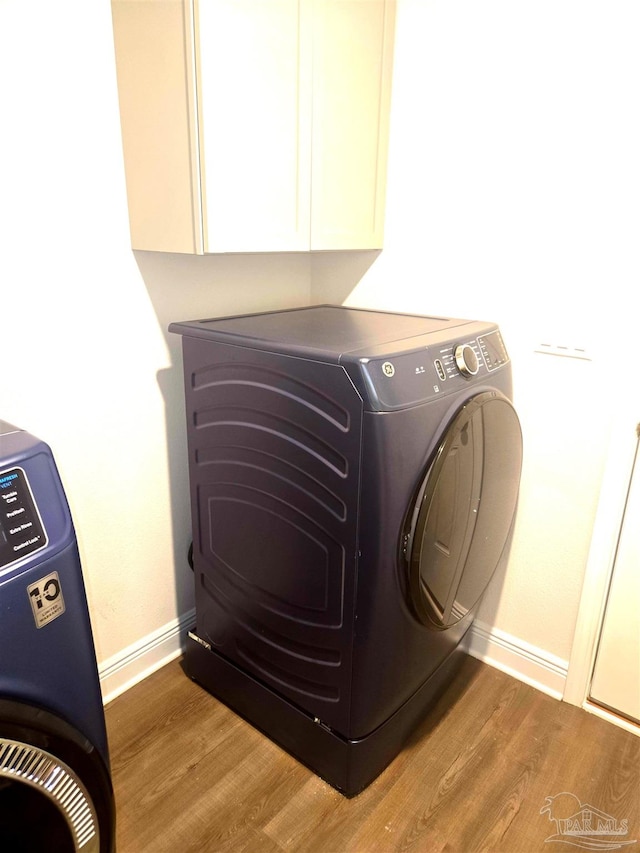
x=464 y=509
x=55 y=789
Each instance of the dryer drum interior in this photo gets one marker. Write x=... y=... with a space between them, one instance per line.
x=353 y=481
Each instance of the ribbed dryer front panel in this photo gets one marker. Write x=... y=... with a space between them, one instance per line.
x=274 y=455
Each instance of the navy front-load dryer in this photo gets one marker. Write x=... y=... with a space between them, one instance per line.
x=354 y=477
x=55 y=787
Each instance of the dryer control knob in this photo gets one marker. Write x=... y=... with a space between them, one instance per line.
x=466 y=360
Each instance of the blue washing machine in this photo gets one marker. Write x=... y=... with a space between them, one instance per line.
x=55 y=787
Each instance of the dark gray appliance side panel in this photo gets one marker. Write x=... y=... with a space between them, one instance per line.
x=274 y=463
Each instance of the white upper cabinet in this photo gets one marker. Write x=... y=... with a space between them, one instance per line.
x=254 y=125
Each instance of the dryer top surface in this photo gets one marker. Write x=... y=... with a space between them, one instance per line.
x=394 y=360
x=334 y=332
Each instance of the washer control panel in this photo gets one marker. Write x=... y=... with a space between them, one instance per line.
x=21 y=529
x=414 y=377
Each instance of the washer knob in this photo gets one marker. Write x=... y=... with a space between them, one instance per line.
x=466 y=360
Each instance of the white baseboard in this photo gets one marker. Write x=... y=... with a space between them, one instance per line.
x=121 y=671
x=534 y=666
x=509 y=654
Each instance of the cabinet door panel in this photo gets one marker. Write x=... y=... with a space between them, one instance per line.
x=154 y=66
x=352 y=90
x=254 y=113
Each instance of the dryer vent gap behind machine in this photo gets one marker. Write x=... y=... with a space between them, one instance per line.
x=354 y=477
x=55 y=786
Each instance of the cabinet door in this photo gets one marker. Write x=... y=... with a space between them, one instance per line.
x=353 y=47
x=156 y=88
x=254 y=113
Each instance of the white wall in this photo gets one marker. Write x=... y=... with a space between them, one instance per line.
x=514 y=196
x=87 y=364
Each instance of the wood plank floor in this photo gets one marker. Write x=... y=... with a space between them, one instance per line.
x=191 y=777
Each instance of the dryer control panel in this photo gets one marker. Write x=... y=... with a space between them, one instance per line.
x=410 y=378
x=494 y=352
x=470 y=357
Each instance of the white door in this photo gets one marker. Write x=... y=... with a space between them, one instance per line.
x=616 y=677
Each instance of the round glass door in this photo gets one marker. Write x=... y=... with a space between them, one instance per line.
x=55 y=790
x=459 y=524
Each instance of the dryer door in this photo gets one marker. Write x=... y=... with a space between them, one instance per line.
x=458 y=526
